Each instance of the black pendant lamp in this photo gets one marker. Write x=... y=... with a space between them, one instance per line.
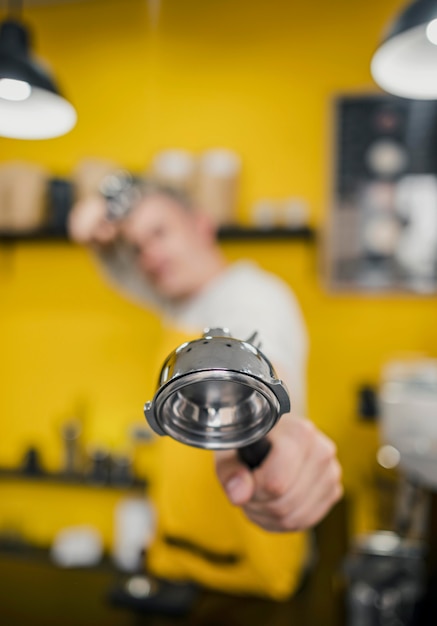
x=405 y=64
x=31 y=106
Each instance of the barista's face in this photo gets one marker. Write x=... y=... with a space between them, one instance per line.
x=170 y=242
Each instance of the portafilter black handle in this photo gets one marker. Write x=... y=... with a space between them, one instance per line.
x=254 y=454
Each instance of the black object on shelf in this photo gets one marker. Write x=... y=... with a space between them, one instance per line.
x=368 y=409
x=144 y=594
x=32 y=463
x=100 y=467
x=120 y=470
x=60 y=201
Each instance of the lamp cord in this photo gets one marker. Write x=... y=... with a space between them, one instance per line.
x=15 y=8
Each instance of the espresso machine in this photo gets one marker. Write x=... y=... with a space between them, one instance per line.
x=392 y=573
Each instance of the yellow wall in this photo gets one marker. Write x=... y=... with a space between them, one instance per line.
x=257 y=77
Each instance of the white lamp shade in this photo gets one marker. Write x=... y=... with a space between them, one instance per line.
x=31 y=106
x=41 y=116
x=405 y=64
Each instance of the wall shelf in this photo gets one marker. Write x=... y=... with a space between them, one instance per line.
x=228 y=233
x=45 y=235
x=61 y=197
x=59 y=478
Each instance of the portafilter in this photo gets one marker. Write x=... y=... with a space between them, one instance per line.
x=218 y=392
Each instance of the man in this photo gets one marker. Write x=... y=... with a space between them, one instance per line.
x=242 y=532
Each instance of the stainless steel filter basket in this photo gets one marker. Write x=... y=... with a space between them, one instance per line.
x=217 y=392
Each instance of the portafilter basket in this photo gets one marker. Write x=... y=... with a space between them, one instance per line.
x=219 y=393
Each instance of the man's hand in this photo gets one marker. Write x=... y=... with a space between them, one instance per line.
x=296 y=485
x=88 y=225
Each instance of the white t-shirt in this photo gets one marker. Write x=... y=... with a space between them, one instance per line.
x=244 y=298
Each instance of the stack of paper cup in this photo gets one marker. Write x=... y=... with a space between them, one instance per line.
x=176 y=168
x=23 y=196
x=217 y=184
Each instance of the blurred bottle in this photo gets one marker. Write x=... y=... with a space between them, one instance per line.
x=121 y=470
x=99 y=465
x=134 y=529
x=73 y=455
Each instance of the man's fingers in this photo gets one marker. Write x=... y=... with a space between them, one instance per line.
x=296 y=521
x=239 y=488
x=282 y=468
x=300 y=508
x=296 y=484
x=314 y=465
x=237 y=481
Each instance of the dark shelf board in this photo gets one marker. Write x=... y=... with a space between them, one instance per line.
x=59 y=478
x=43 y=236
x=229 y=233
x=226 y=233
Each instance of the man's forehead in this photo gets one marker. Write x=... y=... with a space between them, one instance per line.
x=158 y=208
x=160 y=202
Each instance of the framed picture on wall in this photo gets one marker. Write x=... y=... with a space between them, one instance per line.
x=382 y=232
